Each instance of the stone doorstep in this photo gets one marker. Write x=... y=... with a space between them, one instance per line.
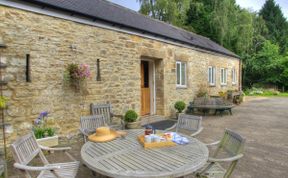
x=151 y=119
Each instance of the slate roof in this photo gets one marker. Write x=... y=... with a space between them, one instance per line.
x=112 y=13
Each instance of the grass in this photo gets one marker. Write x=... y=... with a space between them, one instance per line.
x=268 y=93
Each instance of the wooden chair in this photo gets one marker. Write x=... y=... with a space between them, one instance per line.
x=106 y=111
x=88 y=124
x=26 y=148
x=188 y=122
x=231 y=144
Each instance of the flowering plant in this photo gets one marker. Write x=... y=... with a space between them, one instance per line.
x=40 y=128
x=76 y=73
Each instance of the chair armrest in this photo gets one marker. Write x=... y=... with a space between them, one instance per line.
x=33 y=168
x=83 y=132
x=197 y=132
x=54 y=149
x=213 y=143
x=65 y=149
x=171 y=128
x=234 y=158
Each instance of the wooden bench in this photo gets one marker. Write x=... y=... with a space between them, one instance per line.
x=206 y=104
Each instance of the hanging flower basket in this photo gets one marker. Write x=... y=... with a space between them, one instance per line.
x=76 y=75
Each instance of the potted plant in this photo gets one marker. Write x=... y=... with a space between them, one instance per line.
x=179 y=106
x=45 y=135
x=131 y=120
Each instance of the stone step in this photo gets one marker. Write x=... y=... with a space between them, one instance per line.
x=150 y=119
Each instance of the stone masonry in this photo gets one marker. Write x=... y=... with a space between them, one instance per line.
x=53 y=43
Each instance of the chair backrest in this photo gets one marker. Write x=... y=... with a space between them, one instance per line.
x=92 y=122
x=25 y=148
x=102 y=109
x=231 y=143
x=188 y=122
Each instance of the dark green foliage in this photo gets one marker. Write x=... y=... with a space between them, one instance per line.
x=277 y=25
x=179 y=106
x=130 y=116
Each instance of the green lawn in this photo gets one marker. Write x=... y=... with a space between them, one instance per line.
x=270 y=94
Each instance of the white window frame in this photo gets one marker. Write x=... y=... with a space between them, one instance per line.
x=185 y=73
x=234 y=76
x=212 y=82
x=223 y=76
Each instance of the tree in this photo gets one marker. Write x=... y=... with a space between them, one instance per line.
x=171 y=11
x=265 y=66
x=276 y=24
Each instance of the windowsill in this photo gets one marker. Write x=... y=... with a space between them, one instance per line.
x=212 y=85
x=234 y=84
x=223 y=84
x=181 y=87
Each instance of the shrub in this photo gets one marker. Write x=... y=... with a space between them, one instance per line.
x=179 y=106
x=130 y=116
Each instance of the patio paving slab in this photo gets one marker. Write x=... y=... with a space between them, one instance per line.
x=262 y=121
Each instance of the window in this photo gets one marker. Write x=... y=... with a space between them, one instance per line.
x=234 y=76
x=181 y=74
x=211 y=75
x=223 y=76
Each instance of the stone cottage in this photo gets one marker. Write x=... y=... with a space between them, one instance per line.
x=144 y=64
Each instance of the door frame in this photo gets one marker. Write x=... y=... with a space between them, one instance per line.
x=152 y=85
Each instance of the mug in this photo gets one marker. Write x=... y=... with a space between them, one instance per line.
x=148 y=139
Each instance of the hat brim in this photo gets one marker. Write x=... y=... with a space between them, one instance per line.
x=104 y=138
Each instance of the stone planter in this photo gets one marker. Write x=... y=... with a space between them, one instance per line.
x=133 y=125
x=49 y=141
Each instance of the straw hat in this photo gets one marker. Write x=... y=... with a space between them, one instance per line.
x=103 y=134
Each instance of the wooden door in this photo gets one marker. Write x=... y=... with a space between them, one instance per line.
x=145 y=88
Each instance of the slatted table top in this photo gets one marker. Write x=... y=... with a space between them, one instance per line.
x=126 y=158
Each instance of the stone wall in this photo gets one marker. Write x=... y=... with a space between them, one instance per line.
x=53 y=43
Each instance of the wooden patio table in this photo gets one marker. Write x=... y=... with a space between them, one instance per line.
x=126 y=158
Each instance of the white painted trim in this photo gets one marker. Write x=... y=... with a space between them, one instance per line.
x=180 y=85
x=234 y=76
x=213 y=71
x=89 y=21
x=223 y=83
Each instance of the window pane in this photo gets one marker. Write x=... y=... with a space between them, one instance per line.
x=178 y=73
x=183 y=74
